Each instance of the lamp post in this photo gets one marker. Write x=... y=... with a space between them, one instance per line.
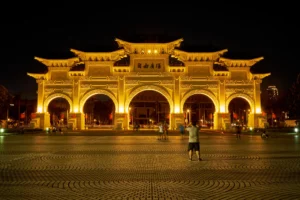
x=7 y=113
x=157 y=110
x=188 y=116
x=247 y=116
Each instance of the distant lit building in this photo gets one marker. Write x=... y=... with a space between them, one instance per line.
x=272 y=92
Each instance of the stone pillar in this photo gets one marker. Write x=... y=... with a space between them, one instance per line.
x=72 y=122
x=220 y=116
x=251 y=120
x=177 y=116
x=42 y=120
x=120 y=120
x=35 y=123
x=40 y=96
x=76 y=121
x=222 y=98
x=76 y=94
x=218 y=121
x=177 y=119
x=121 y=95
x=126 y=122
x=257 y=96
x=257 y=121
x=221 y=121
x=81 y=121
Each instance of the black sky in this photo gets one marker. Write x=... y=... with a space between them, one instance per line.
x=247 y=30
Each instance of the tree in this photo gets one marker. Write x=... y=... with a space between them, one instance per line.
x=5 y=98
x=293 y=99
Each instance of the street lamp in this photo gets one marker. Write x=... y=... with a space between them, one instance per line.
x=188 y=116
x=7 y=113
x=247 y=116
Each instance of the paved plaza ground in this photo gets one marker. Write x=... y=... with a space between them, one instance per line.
x=124 y=165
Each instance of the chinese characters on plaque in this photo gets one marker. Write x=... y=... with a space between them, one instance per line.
x=148 y=66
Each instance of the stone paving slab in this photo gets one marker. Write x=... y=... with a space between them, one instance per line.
x=141 y=167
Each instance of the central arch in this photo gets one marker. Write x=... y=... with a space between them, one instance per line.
x=158 y=89
x=98 y=91
x=57 y=95
x=207 y=93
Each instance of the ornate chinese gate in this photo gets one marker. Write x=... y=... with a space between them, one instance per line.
x=138 y=67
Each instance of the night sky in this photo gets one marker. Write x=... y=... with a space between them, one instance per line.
x=247 y=30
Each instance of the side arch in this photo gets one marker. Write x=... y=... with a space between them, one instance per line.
x=158 y=89
x=87 y=95
x=57 y=95
x=207 y=93
x=243 y=96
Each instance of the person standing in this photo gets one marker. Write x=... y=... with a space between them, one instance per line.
x=238 y=131
x=160 y=131
x=181 y=130
x=166 y=131
x=194 y=144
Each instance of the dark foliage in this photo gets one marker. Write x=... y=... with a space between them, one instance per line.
x=293 y=99
x=5 y=99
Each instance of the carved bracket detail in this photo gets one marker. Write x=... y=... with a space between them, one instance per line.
x=64 y=90
x=58 y=82
x=239 y=82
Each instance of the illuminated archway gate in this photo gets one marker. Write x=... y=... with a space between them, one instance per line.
x=137 y=67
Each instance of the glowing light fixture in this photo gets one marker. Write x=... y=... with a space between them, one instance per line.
x=258 y=110
x=40 y=109
x=222 y=109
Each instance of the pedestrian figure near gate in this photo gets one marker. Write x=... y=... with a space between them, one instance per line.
x=160 y=131
x=181 y=130
x=264 y=134
x=166 y=131
x=136 y=126
x=194 y=143
x=238 y=131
